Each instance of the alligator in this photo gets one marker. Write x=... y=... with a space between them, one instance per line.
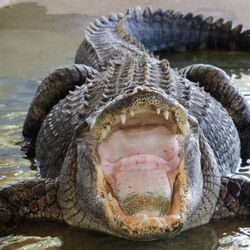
x=126 y=145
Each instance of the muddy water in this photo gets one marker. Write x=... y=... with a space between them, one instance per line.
x=32 y=44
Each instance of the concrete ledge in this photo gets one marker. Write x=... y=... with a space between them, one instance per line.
x=237 y=11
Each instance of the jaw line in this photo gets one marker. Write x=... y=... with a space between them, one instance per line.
x=144 y=224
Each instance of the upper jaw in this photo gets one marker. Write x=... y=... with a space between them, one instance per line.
x=120 y=109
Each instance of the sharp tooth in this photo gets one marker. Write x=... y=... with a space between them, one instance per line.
x=132 y=113
x=181 y=191
x=104 y=132
x=108 y=127
x=160 y=222
x=123 y=118
x=144 y=220
x=176 y=118
x=158 y=111
x=166 y=114
x=110 y=196
x=184 y=127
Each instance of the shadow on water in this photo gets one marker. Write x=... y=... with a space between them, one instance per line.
x=34 y=44
x=59 y=236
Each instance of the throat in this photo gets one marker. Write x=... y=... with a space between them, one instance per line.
x=140 y=167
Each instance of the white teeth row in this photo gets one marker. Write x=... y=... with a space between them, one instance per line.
x=132 y=113
x=165 y=113
x=123 y=117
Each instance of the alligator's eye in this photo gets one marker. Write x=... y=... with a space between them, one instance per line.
x=141 y=154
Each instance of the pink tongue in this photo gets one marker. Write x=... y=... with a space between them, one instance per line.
x=143 y=191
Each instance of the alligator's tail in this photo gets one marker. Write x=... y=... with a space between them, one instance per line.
x=216 y=82
x=139 y=31
x=169 y=30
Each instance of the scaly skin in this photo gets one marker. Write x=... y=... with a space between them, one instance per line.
x=31 y=199
x=234 y=197
x=65 y=128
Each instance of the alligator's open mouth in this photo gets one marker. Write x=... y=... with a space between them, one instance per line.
x=140 y=155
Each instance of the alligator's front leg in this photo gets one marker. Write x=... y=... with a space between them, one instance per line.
x=234 y=198
x=29 y=199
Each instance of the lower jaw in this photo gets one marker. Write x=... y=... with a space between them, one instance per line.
x=141 y=227
x=145 y=223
